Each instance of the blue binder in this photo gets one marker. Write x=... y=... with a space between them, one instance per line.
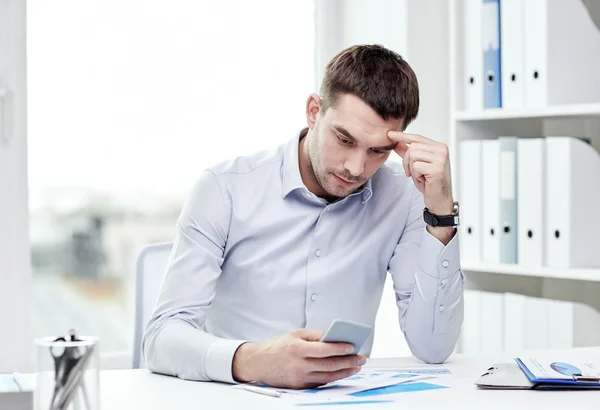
x=577 y=381
x=490 y=30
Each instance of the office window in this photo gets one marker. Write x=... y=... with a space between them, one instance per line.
x=128 y=101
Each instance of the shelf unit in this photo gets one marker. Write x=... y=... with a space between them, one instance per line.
x=561 y=111
x=580 y=274
x=582 y=120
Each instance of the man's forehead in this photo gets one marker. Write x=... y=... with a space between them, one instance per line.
x=351 y=112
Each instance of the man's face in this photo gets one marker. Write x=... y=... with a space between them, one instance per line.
x=347 y=145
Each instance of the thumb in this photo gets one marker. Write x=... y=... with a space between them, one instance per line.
x=310 y=335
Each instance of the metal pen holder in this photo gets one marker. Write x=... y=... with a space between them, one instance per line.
x=67 y=373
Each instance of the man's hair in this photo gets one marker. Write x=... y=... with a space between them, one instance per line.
x=378 y=76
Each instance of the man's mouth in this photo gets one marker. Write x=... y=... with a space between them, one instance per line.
x=344 y=182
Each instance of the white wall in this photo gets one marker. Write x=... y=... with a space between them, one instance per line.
x=428 y=54
x=15 y=345
x=418 y=31
x=342 y=23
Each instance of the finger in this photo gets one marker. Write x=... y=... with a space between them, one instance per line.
x=423 y=156
x=407 y=138
x=320 y=378
x=401 y=149
x=406 y=163
x=326 y=349
x=433 y=148
x=425 y=168
x=333 y=364
x=311 y=335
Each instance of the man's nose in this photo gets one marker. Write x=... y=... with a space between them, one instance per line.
x=355 y=164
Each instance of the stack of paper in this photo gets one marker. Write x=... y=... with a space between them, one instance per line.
x=368 y=386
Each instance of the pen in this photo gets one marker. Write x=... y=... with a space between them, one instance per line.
x=262 y=390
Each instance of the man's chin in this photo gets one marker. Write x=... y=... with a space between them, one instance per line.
x=340 y=192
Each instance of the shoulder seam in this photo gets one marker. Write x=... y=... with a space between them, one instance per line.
x=226 y=200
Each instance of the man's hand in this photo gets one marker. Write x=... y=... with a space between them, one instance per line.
x=296 y=360
x=428 y=163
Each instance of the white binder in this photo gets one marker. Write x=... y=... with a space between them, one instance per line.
x=470 y=335
x=490 y=201
x=514 y=322
x=470 y=193
x=491 y=319
x=513 y=53
x=536 y=323
x=573 y=200
x=531 y=203
x=561 y=332
x=562 y=52
x=473 y=57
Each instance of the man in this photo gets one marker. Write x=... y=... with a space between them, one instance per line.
x=272 y=247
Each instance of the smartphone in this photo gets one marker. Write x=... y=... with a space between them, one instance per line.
x=345 y=331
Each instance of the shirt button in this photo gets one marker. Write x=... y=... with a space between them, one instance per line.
x=445 y=264
x=318 y=253
x=441 y=307
x=313 y=297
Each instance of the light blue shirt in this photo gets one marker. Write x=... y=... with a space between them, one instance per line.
x=257 y=255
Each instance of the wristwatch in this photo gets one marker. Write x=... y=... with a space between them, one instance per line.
x=442 y=220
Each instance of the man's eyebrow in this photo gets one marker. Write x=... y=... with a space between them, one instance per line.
x=346 y=134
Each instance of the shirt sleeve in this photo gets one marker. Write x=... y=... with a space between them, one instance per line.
x=175 y=342
x=428 y=281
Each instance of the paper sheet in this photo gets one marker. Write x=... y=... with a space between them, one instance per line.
x=351 y=389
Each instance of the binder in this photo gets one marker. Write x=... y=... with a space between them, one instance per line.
x=562 y=53
x=490 y=200
x=514 y=322
x=470 y=192
x=517 y=376
x=512 y=31
x=578 y=378
x=561 y=331
x=491 y=308
x=470 y=336
x=536 y=323
x=531 y=201
x=490 y=19
x=508 y=199
x=573 y=200
x=473 y=59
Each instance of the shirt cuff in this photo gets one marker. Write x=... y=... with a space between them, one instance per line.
x=219 y=360
x=437 y=260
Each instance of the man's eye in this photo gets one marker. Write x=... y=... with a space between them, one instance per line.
x=378 y=151
x=345 y=140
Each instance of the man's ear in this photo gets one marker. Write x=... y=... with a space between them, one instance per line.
x=313 y=105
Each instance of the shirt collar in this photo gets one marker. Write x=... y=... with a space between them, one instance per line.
x=290 y=171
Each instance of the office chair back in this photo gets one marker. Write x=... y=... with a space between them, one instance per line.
x=151 y=266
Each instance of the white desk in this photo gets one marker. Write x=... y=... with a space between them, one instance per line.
x=139 y=389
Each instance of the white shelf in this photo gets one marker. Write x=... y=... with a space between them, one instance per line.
x=585 y=274
x=572 y=110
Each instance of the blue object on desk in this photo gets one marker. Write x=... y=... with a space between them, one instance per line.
x=404 y=376
x=398 y=388
x=558 y=383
